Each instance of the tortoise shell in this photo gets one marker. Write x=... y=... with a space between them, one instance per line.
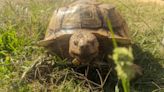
x=85 y=16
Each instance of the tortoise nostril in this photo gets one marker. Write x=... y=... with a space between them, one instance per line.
x=84 y=47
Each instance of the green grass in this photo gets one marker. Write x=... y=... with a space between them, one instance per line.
x=23 y=23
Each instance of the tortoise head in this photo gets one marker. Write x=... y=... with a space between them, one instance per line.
x=83 y=46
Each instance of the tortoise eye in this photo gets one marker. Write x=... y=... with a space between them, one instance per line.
x=76 y=43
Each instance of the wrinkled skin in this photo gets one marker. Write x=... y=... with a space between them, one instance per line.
x=83 y=46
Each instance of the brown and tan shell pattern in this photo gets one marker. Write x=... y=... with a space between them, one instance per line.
x=88 y=16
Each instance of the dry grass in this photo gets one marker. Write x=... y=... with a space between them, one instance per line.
x=159 y=2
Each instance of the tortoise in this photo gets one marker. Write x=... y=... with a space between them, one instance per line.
x=80 y=31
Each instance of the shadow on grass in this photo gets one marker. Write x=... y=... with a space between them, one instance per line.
x=152 y=71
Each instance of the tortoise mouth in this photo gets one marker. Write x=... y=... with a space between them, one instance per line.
x=85 y=58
